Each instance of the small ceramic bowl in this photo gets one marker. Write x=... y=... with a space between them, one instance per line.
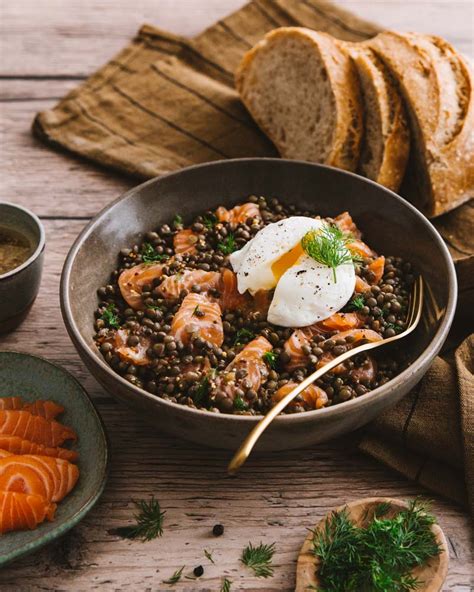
x=390 y=225
x=19 y=286
x=33 y=378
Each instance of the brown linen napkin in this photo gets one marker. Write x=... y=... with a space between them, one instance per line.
x=165 y=102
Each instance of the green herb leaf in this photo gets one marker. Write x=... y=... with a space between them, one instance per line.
x=357 y=303
x=208 y=556
x=243 y=336
x=209 y=220
x=110 y=317
x=174 y=579
x=149 y=522
x=196 y=310
x=178 y=221
x=228 y=245
x=239 y=404
x=149 y=255
x=328 y=246
x=226 y=584
x=270 y=358
x=259 y=559
x=396 y=328
x=378 y=557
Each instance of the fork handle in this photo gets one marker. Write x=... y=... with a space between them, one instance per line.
x=247 y=445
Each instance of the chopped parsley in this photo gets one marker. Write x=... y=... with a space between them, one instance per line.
x=270 y=358
x=228 y=245
x=239 y=404
x=243 y=336
x=110 y=317
x=149 y=255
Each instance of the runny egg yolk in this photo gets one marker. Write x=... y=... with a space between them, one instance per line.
x=286 y=261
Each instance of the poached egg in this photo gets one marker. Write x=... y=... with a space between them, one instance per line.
x=305 y=290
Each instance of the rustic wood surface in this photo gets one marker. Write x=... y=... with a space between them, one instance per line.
x=46 y=48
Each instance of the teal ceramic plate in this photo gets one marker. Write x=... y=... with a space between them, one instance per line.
x=33 y=378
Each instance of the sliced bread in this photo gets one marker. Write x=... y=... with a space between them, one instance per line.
x=437 y=86
x=386 y=141
x=301 y=88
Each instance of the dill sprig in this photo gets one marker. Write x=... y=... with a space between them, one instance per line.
x=175 y=578
x=110 y=317
x=149 y=255
x=178 y=221
x=228 y=245
x=149 y=522
x=259 y=559
x=243 y=336
x=357 y=303
x=239 y=404
x=328 y=246
x=379 y=557
x=209 y=220
x=270 y=358
x=208 y=555
x=226 y=584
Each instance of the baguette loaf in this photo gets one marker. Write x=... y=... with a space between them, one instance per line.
x=437 y=86
x=301 y=88
x=386 y=142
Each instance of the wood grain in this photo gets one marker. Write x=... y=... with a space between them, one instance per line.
x=46 y=47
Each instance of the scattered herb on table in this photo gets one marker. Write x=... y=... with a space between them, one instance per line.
x=149 y=255
x=228 y=245
x=378 y=557
x=149 y=522
x=329 y=246
x=243 y=336
x=270 y=358
x=178 y=221
x=175 y=578
x=259 y=559
x=226 y=584
x=110 y=317
x=208 y=555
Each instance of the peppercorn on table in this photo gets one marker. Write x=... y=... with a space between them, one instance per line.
x=47 y=49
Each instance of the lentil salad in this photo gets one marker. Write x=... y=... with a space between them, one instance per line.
x=171 y=320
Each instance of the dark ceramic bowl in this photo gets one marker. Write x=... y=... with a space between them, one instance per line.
x=19 y=286
x=390 y=224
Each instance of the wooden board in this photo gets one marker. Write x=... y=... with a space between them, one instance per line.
x=46 y=47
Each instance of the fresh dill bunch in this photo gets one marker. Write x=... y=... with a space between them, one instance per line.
x=328 y=246
x=175 y=578
x=243 y=336
x=149 y=255
x=379 y=557
x=228 y=245
x=259 y=559
x=226 y=584
x=110 y=317
x=149 y=522
x=270 y=358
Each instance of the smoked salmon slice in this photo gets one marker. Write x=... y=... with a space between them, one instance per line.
x=136 y=354
x=21 y=511
x=34 y=427
x=252 y=366
x=293 y=346
x=347 y=225
x=16 y=445
x=313 y=396
x=358 y=335
x=239 y=214
x=184 y=241
x=230 y=297
x=377 y=268
x=131 y=282
x=361 y=285
x=172 y=285
x=198 y=316
x=4 y=453
x=52 y=478
x=341 y=321
x=47 y=409
x=11 y=403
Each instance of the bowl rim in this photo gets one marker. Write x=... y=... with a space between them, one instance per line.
x=42 y=539
x=41 y=240
x=416 y=367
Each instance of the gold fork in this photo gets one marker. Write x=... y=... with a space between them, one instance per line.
x=413 y=317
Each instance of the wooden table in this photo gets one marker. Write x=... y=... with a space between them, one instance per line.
x=47 y=48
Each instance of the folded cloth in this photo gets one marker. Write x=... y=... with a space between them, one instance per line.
x=165 y=102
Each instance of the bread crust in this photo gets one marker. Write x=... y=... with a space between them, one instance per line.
x=391 y=119
x=442 y=173
x=347 y=136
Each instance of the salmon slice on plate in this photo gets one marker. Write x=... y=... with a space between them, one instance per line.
x=52 y=478
x=198 y=316
x=239 y=214
x=172 y=285
x=11 y=403
x=132 y=281
x=21 y=511
x=35 y=428
x=16 y=445
x=47 y=409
